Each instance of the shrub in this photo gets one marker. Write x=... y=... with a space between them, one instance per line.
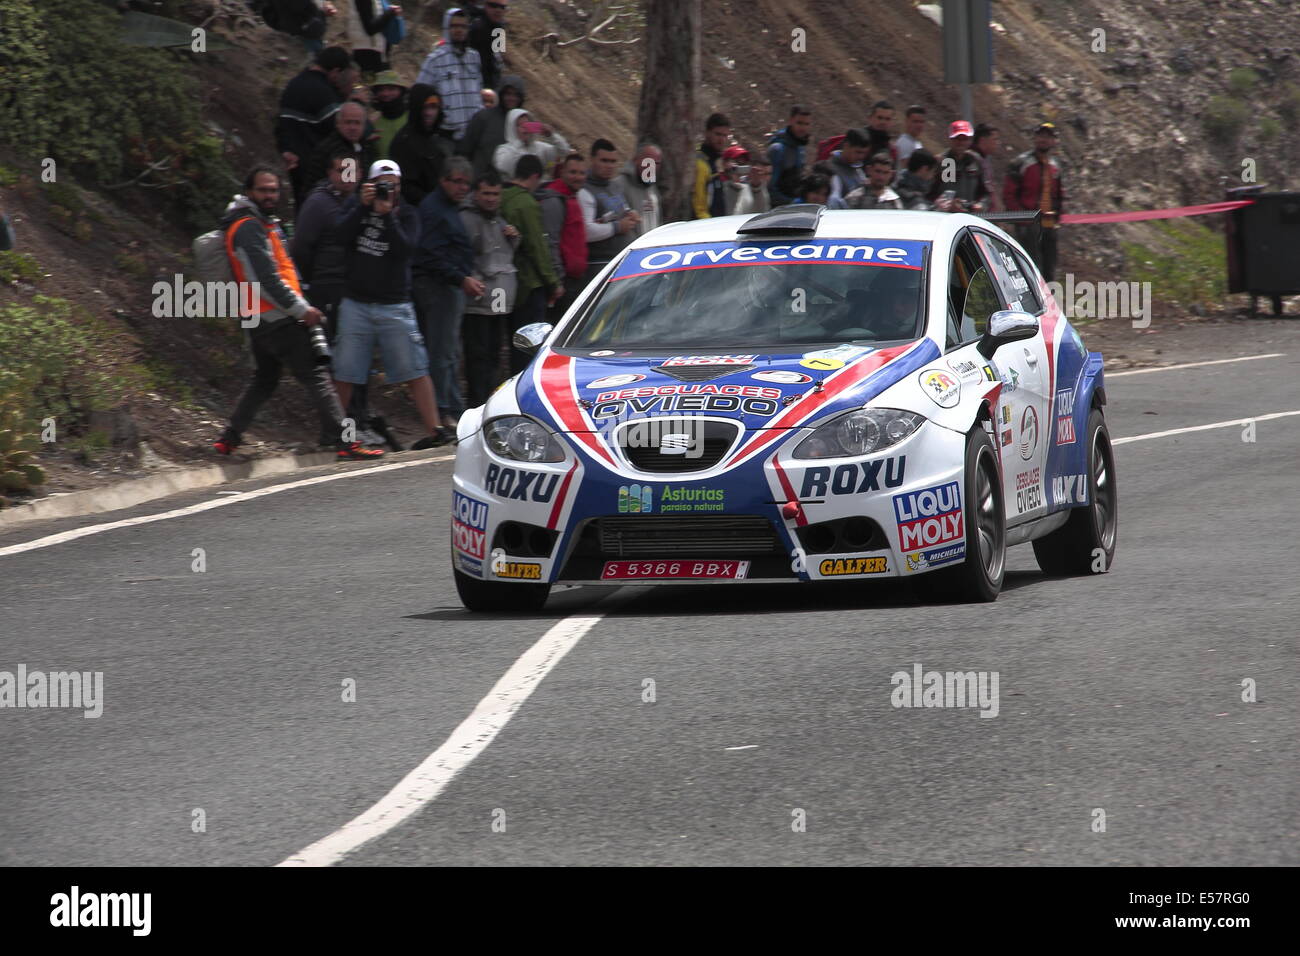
x=1225 y=117
x=1242 y=80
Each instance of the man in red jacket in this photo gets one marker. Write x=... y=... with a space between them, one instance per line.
x=573 y=236
x=1034 y=182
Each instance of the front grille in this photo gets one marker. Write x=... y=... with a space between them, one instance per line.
x=669 y=536
x=701 y=373
x=707 y=443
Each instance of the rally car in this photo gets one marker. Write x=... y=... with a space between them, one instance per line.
x=800 y=395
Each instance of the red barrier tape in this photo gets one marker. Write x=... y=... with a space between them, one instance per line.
x=1083 y=218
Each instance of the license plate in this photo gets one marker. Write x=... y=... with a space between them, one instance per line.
x=727 y=570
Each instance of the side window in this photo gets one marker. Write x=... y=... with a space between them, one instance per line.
x=1016 y=281
x=972 y=295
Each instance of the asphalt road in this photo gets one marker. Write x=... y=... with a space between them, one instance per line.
x=1122 y=692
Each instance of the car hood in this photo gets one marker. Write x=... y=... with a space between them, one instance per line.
x=587 y=394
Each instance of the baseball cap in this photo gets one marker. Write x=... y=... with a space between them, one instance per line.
x=1046 y=128
x=735 y=152
x=960 y=128
x=384 y=167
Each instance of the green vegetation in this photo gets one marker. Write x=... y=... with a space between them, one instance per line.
x=1224 y=118
x=1289 y=105
x=18 y=444
x=119 y=115
x=1190 y=268
x=18 y=267
x=1242 y=80
x=1269 y=128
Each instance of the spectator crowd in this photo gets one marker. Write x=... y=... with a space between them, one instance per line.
x=434 y=220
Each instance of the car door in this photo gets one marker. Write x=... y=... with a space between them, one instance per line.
x=1026 y=386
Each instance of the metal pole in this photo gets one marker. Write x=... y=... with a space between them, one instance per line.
x=967 y=110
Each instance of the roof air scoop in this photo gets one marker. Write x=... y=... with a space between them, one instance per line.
x=802 y=217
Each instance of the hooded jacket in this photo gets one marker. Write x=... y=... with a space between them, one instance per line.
x=573 y=234
x=533 y=260
x=480 y=38
x=494 y=260
x=307 y=108
x=421 y=153
x=509 y=152
x=318 y=251
x=786 y=153
x=487 y=129
x=261 y=254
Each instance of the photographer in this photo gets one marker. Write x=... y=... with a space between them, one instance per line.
x=380 y=233
x=288 y=329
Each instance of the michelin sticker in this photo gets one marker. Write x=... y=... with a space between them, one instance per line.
x=614 y=381
x=782 y=377
x=942 y=388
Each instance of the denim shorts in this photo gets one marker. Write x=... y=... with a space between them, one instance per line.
x=400 y=342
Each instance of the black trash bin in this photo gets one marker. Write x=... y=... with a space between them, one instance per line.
x=1264 y=246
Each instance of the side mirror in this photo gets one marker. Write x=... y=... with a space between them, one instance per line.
x=529 y=338
x=1004 y=327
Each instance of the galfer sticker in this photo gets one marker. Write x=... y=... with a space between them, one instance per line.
x=782 y=377
x=614 y=381
x=677 y=360
x=898 y=253
x=943 y=388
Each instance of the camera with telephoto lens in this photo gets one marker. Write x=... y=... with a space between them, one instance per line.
x=320 y=345
x=383 y=190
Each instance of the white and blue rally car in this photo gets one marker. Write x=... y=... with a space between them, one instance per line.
x=801 y=395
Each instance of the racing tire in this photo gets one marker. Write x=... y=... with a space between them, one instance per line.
x=1092 y=529
x=979 y=577
x=500 y=597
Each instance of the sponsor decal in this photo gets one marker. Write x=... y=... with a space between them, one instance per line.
x=834 y=567
x=989 y=374
x=603 y=353
x=1028 y=433
x=691 y=499
x=1029 y=490
x=635 y=499
x=515 y=484
x=708 y=360
x=758 y=400
x=1011 y=381
x=614 y=381
x=782 y=377
x=469 y=565
x=967 y=371
x=924 y=560
x=892 y=252
x=1065 y=416
x=1006 y=414
x=1070 y=490
x=469 y=526
x=734 y=570
x=942 y=388
x=929 y=517
x=846 y=352
x=822 y=364
x=1006 y=438
x=854 y=479
x=522 y=571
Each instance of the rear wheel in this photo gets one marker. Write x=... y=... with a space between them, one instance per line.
x=979 y=577
x=1086 y=542
x=497 y=596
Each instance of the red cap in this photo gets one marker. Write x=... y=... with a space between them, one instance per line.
x=735 y=152
x=960 y=128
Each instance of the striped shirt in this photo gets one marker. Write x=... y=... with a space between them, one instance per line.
x=458 y=78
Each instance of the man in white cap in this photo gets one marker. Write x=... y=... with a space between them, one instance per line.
x=380 y=233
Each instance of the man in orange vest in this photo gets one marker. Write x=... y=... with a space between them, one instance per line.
x=286 y=325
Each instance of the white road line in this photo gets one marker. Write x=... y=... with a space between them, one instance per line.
x=746 y=747
x=1202 y=428
x=1170 y=368
x=419 y=787
x=234 y=499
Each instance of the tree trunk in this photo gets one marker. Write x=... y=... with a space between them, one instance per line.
x=666 y=116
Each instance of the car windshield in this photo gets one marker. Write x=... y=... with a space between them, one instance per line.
x=759 y=296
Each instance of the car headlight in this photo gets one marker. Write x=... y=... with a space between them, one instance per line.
x=863 y=431
x=522 y=439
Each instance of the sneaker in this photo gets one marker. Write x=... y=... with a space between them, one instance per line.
x=380 y=427
x=359 y=452
x=443 y=436
x=223 y=447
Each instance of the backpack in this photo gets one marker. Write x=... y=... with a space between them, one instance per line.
x=210 y=259
x=827 y=146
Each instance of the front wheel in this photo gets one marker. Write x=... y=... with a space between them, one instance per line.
x=979 y=577
x=498 y=596
x=1086 y=542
